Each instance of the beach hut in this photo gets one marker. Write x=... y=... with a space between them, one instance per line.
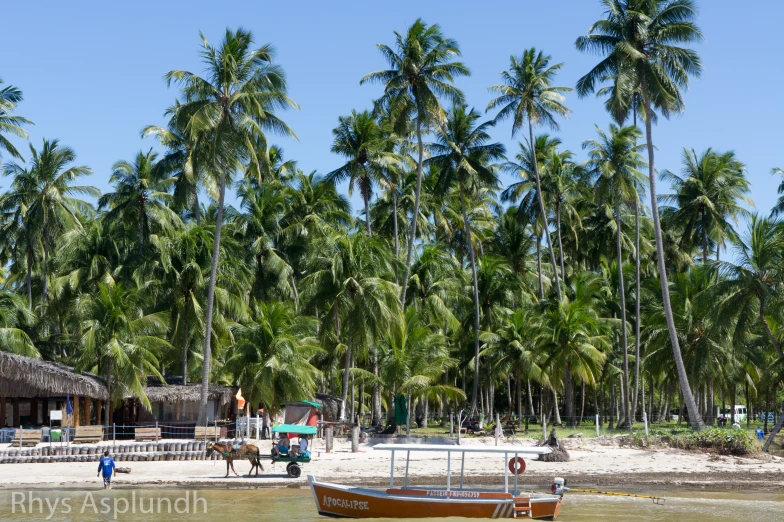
x=175 y=406
x=31 y=388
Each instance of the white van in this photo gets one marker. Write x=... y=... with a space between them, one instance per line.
x=739 y=416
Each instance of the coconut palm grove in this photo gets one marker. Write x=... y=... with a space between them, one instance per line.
x=596 y=283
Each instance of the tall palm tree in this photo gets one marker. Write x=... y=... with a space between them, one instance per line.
x=10 y=97
x=614 y=161
x=273 y=355
x=642 y=41
x=225 y=111
x=527 y=191
x=349 y=278
x=141 y=198
x=120 y=341
x=707 y=198
x=43 y=197
x=421 y=70
x=464 y=156
x=527 y=94
x=751 y=282
x=778 y=208
x=359 y=138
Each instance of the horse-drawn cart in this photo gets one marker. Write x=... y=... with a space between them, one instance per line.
x=293 y=468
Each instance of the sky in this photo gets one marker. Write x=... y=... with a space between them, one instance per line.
x=92 y=72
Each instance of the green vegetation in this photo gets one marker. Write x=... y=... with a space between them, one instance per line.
x=542 y=299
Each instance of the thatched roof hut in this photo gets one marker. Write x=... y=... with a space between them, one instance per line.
x=175 y=391
x=25 y=377
x=330 y=406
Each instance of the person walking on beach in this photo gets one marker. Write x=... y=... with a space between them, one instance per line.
x=107 y=467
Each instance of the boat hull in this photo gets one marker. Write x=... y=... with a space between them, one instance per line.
x=335 y=500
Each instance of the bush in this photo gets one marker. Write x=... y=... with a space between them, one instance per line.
x=732 y=442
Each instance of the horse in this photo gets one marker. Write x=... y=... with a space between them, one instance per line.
x=248 y=451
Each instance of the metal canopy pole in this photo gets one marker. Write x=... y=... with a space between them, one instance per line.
x=506 y=474
x=408 y=458
x=448 y=470
x=462 y=470
x=392 y=471
x=515 y=488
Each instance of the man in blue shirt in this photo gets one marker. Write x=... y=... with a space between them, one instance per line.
x=106 y=465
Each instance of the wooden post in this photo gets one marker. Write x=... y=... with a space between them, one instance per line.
x=354 y=439
x=88 y=404
x=328 y=439
x=77 y=411
x=16 y=412
x=2 y=412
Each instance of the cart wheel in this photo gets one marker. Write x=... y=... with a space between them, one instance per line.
x=294 y=470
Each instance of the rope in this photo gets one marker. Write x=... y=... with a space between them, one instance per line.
x=656 y=500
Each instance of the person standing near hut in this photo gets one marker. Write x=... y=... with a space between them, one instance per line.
x=107 y=467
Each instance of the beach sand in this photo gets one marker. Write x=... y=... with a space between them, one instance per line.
x=600 y=462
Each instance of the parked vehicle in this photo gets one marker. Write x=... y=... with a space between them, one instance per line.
x=739 y=416
x=771 y=417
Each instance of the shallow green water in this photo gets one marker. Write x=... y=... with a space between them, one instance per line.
x=297 y=504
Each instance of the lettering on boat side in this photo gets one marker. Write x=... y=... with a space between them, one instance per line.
x=452 y=494
x=345 y=503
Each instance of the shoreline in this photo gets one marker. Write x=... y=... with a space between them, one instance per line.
x=594 y=462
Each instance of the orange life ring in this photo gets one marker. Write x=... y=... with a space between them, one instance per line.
x=517 y=465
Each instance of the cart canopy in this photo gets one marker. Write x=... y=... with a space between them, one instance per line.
x=296 y=429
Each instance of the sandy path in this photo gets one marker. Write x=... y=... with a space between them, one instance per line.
x=592 y=462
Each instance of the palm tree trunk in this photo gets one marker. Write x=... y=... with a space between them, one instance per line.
x=394 y=224
x=44 y=289
x=560 y=243
x=543 y=212
x=412 y=233
x=568 y=396
x=637 y=361
x=376 y=413
x=531 y=410
x=196 y=209
x=624 y=341
x=556 y=413
x=29 y=275
x=365 y=198
x=185 y=350
x=766 y=327
x=109 y=385
x=683 y=380
x=205 y=372
x=539 y=264
x=346 y=370
x=470 y=248
x=520 y=395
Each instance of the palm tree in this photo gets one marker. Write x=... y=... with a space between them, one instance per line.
x=751 y=281
x=272 y=356
x=359 y=138
x=349 y=278
x=421 y=71
x=526 y=191
x=120 y=340
x=141 y=198
x=527 y=94
x=614 y=161
x=43 y=203
x=225 y=111
x=707 y=198
x=10 y=97
x=641 y=40
x=572 y=334
x=464 y=156
x=14 y=320
x=778 y=208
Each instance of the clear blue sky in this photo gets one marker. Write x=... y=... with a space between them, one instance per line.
x=92 y=72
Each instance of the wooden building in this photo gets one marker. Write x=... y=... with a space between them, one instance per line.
x=31 y=388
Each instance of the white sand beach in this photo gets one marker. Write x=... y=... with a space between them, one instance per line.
x=593 y=461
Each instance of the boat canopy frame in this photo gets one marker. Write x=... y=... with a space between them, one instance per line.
x=449 y=449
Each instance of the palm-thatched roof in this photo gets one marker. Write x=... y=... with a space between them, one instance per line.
x=175 y=391
x=26 y=377
x=330 y=406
